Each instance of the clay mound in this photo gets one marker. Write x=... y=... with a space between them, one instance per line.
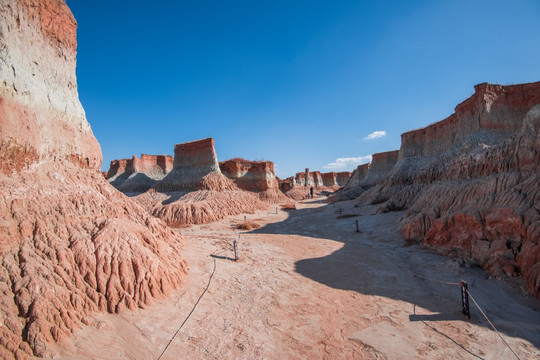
x=70 y=244
x=198 y=207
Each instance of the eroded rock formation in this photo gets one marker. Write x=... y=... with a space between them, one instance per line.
x=70 y=244
x=255 y=176
x=298 y=186
x=196 y=191
x=470 y=182
x=138 y=175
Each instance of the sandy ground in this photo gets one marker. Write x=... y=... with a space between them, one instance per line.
x=307 y=286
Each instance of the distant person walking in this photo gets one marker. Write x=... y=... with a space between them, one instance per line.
x=311 y=192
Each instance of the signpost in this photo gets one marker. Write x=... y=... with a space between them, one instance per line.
x=465 y=299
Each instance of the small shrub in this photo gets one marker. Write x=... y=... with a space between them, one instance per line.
x=288 y=206
x=248 y=225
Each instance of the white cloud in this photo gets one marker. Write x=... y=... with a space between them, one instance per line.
x=350 y=162
x=375 y=135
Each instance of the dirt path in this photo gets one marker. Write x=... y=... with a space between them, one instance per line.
x=307 y=286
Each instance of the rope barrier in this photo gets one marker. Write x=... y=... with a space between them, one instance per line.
x=191 y=312
x=475 y=303
x=432 y=280
x=493 y=326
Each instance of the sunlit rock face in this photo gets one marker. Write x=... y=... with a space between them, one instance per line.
x=70 y=244
x=470 y=183
x=195 y=191
x=256 y=176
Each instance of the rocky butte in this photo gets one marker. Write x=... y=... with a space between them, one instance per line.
x=298 y=186
x=138 y=175
x=470 y=183
x=70 y=244
x=196 y=191
x=255 y=176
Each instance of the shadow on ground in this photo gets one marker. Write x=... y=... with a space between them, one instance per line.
x=378 y=261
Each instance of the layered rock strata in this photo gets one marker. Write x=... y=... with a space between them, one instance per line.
x=137 y=175
x=299 y=186
x=470 y=182
x=196 y=191
x=70 y=244
x=343 y=177
x=254 y=176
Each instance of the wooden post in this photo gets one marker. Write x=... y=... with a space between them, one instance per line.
x=357 y=228
x=465 y=299
x=276 y=210
x=235 y=250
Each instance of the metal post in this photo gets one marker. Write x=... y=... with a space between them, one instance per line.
x=465 y=299
x=357 y=228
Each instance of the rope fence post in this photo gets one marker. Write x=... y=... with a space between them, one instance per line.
x=465 y=299
x=235 y=245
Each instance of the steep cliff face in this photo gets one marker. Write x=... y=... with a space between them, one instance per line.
x=70 y=244
x=138 y=175
x=195 y=167
x=329 y=179
x=470 y=182
x=334 y=179
x=196 y=191
x=255 y=176
x=343 y=177
x=352 y=187
x=496 y=109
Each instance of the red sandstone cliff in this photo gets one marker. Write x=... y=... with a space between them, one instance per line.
x=195 y=191
x=70 y=244
x=255 y=176
x=470 y=182
x=138 y=175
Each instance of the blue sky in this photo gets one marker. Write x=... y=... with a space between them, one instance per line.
x=300 y=83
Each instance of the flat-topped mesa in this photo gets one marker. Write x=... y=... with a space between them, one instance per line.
x=493 y=112
x=329 y=179
x=139 y=174
x=250 y=175
x=255 y=176
x=70 y=244
x=195 y=167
